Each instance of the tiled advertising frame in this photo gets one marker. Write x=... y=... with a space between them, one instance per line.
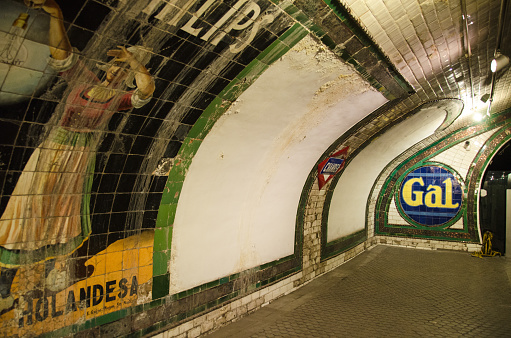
x=168 y=310
x=469 y=233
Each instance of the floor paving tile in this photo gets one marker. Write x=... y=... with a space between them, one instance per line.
x=392 y=292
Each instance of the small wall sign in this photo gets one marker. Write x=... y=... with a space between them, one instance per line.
x=331 y=166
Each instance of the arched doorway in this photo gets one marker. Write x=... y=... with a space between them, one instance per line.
x=495 y=199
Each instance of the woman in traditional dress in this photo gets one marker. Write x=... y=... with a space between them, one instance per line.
x=48 y=214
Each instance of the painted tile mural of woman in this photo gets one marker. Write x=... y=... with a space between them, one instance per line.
x=47 y=215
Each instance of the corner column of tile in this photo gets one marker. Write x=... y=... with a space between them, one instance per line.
x=311 y=259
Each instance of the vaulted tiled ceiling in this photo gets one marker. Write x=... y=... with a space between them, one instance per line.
x=442 y=48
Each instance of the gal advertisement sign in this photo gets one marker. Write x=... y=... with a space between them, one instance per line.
x=430 y=196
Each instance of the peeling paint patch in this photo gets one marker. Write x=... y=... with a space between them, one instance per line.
x=163 y=168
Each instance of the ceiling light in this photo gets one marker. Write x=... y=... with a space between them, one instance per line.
x=499 y=62
x=477 y=117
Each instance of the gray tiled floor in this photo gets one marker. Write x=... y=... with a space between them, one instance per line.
x=393 y=292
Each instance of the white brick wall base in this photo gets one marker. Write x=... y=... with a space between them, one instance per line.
x=241 y=307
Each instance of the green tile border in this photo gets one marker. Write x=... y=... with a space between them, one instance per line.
x=170 y=198
x=444 y=227
x=191 y=144
x=166 y=214
x=346 y=244
x=423 y=157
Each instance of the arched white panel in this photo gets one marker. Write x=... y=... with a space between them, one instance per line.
x=238 y=204
x=347 y=212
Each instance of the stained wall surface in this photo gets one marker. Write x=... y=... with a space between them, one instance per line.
x=170 y=166
x=245 y=175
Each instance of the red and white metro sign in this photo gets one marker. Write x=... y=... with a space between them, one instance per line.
x=331 y=166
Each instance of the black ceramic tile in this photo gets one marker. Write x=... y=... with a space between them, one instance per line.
x=141 y=145
x=217 y=86
x=3 y=174
x=172 y=149
x=181 y=132
x=155 y=62
x=150 y=127
x=115 y=120
x=134 y=30
x=30 y=134
x=122 y=143
x=106 y=142
x=188 y=75
x=133 y=163
x=97 y=242
x=114 y=236
x=153 y=201
x=204 y=59
x=169 y=70
x=71 y=8
x=79 y=37
x=115 y=163
x=142 y=185
x=101 y=161
x=40 y=111
x=247 y=55
x=149 y=109
x=163 y=108
x=170 y=46
x=11 y=178
x=191 y=116
x=15 y=111
x=149 y=220
x=5 y=156
x=231 y=70
x=161 y=86
x=175 y=91
x=5 y=199
x=264 y=4
x=121 y=202
x=263 y=40
x=19 y=158
x=158 y=183
x=126 y=183
x=92 y=15
x=117 y=221
x=215 y=13
x=133 y=124
x=9 y=132
x=202 y=101
x=101 y=203
x=108 y=183
x=224 y=44
x=186 y=52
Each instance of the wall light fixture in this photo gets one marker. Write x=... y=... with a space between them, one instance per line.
x=499 y=62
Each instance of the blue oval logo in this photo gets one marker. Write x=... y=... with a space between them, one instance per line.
x=430 y=196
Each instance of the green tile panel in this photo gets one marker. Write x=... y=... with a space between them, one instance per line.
x=166 y=214
x=160 y=262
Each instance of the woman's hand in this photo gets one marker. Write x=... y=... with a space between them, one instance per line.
x=144 y=80
x=121 y=55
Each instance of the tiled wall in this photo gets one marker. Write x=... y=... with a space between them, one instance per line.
x=109 y=275
x=447 y=147
x=110 y=166
x=113 y=168
x=444 y=151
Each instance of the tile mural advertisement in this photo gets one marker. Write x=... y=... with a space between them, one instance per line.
x=94 y=97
